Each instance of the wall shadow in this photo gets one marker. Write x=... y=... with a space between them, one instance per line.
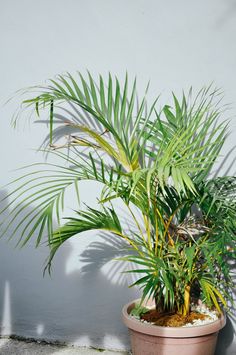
x=82 y=307
x=227 y=15
x=225 y=338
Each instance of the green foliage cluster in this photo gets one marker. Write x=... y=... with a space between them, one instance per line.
x=158 y=162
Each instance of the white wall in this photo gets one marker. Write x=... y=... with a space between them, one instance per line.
x=175 y=44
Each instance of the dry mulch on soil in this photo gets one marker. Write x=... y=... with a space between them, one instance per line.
x=171 y=319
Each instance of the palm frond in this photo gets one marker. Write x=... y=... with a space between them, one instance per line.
x=91 y=219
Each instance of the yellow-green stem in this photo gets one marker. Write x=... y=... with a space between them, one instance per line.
x=147 y=227
x=186 y=306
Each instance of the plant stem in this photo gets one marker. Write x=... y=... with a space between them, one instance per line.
x=186 y=306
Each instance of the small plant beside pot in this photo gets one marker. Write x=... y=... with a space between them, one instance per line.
x=159 y=164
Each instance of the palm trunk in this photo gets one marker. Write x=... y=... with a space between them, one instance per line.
x=186 y=306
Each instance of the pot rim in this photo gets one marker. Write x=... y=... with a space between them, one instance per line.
x=171 y=332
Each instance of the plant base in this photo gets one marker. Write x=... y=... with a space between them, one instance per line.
x=148 y=339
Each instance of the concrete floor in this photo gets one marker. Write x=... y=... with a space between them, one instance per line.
x=20 y=347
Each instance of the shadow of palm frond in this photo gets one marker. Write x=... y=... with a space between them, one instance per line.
x=228 y=161
x=107 y=252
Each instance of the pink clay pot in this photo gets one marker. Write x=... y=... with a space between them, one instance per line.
x=148 y=339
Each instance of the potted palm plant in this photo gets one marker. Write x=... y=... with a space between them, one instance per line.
x=158 y=162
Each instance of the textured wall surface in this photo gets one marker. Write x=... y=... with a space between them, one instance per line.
x=176 y=44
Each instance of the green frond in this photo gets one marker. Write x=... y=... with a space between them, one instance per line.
x=91 y=219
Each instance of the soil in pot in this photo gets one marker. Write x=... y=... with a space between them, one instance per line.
x=171 y=319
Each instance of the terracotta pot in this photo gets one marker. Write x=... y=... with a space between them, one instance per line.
x=148 y=339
